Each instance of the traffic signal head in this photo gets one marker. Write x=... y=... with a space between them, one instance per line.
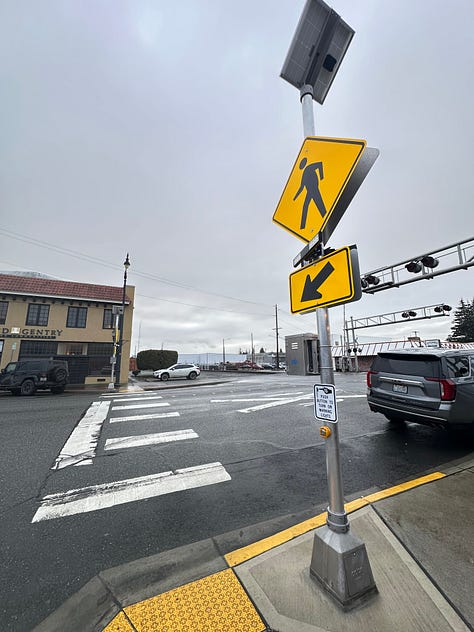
x=430 y=262
x=413 y=266
x=372 y=280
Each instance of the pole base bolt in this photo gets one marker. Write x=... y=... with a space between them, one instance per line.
x=325 y=432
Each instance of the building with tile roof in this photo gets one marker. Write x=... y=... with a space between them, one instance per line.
x=45 y=317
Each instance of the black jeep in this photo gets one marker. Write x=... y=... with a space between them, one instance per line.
x=25 y=377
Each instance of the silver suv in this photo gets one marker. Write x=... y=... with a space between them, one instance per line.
x=427 y=386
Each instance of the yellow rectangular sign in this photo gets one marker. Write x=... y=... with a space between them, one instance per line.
x=331 y=280
x=321 y=172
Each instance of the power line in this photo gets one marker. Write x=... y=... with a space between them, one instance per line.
x=102 y=262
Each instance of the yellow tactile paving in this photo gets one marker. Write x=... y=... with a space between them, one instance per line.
x=119 y=624
x=217 y=603
x=252 y=550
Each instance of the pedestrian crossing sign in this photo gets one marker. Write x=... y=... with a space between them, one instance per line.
x=329 y=281
x=321 y=172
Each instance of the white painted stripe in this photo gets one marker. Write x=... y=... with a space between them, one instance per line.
x=97 y=497
x=139 y=399
x=245 y=399
x=131 y=394
x=137 y=406
x=279 y=402
x=82 y=442
x=141 y=417
x=149 y=439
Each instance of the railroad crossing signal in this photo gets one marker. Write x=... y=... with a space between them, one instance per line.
x=322 y=170
x=331 y=280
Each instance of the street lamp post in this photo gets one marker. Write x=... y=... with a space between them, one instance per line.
x=126 y=265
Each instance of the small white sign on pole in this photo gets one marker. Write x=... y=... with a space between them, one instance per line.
x=325 y=408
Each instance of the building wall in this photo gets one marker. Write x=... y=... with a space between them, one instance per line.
x=70 y=340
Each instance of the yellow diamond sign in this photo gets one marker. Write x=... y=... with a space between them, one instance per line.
x=331 y=280
x=321 y=171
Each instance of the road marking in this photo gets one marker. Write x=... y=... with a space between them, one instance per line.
x=278 y=402
x=137 y=406
x=141 y=417
x=131 y=394
x=82 y=442
x=140 y=399
x=244 y=399
x=149 y=439
x=257 y=398
x=96 y=497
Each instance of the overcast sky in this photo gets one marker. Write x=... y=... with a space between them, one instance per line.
x=163 y=129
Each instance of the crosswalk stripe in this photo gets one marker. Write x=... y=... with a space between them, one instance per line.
x=135 y=441
x=82 y=442
x=275 y=403
x=97 y=497
x=247 y=399
x=139 y=399
x=141 y=417
x=126 y=396
x=137 y=406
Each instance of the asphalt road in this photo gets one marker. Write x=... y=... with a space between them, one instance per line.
x=259 y=428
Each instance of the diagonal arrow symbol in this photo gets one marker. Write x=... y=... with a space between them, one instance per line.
x=310 y=290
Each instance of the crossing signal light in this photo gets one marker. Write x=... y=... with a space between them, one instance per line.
x=413 y=266
x=369 y=280
x=429 y=262
x=442 y=308
x=409 y=314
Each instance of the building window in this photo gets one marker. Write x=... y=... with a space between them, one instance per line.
x=37 y=348
x=76 y=317
x=100 y=348
x=37 y=315
x=3 y=312
x=108 y=321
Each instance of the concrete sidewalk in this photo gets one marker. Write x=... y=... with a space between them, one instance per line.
x=419 y=538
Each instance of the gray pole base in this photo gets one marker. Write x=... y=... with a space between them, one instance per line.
x=341 y=566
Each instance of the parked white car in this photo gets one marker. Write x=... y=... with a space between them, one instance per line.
x=189 y=371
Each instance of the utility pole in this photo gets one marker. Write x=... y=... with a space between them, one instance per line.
x=277 y=343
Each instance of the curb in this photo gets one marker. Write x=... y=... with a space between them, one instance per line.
x=105 y=596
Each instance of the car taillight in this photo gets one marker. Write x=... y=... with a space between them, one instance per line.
x=369 y=378
x=448 y=388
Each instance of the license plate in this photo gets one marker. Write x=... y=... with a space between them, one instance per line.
x=400 y=388
x=43 y=379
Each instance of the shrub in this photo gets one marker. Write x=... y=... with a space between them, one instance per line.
x=156 y=359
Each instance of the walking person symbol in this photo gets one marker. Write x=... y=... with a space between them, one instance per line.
x=310 y=182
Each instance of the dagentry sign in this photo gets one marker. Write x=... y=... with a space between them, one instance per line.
x=322 y=170
x=325 y=408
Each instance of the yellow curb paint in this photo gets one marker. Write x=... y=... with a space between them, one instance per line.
x=252 y=550
x=119 y=624
x=215 y=603
x=257 y=548
x=397 y=489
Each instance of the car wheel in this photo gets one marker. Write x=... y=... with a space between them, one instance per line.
x=192 y=375
x=60 y=374
x=165 y=377
x=57 y=389
x=28 y=387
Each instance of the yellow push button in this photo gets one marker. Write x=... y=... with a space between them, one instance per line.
x=325 y=432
